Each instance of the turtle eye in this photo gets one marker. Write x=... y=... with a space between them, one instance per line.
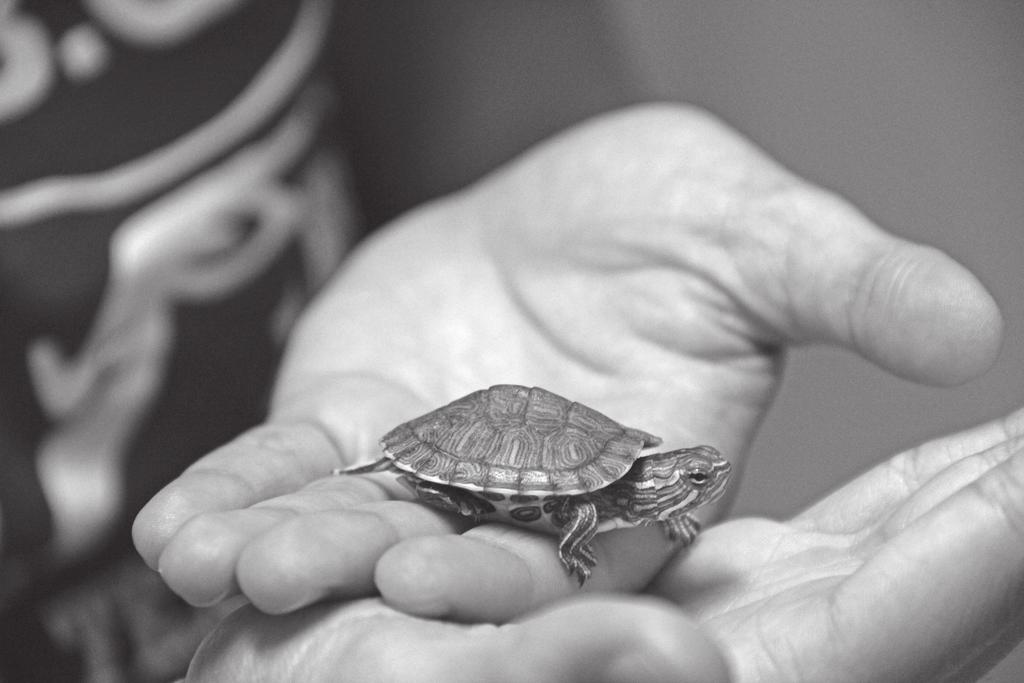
x=698 y=478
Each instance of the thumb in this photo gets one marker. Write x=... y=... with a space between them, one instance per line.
x=909 y=308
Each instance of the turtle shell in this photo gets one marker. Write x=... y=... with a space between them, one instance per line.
x=511 y=439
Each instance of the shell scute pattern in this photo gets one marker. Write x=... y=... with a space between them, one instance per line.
x=469 y=470
x=546 y=413
x=536 y=480
x=516 y=440
x=502 y=479
x=566 y=480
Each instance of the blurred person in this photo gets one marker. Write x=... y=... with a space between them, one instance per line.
x=176 y=180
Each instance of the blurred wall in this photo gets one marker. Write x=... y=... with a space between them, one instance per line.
x=914 y=110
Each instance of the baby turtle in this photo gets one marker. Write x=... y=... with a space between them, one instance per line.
x=532 y=458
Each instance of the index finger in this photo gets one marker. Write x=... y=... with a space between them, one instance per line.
x=264 y=462
x=496 y=572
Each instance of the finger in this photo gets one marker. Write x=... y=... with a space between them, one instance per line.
x=609 y=640
x=331 y=553
x=768 y=249
x=952 y=582
x=874 y=495
x=265 y=462
x=909 y=308
x=701 y=582
x=943 y=485
x=200 y=561
x=496 y=572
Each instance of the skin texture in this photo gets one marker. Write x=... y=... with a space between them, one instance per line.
x=877 y=582
x=685 y=261
x=913 y=571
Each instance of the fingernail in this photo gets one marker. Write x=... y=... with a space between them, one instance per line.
x=212 y=599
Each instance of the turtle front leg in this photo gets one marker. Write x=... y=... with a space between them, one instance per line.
x=681 y=528
x=449 y=498
x=574 y=549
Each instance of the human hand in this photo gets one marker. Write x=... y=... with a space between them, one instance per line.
x=912 y=571
x=367 y=641
x=651 y=264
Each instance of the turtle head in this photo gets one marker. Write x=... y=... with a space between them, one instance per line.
x=666 y=484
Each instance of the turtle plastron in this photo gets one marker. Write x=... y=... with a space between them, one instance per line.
x=439 y=496
x=448 y=498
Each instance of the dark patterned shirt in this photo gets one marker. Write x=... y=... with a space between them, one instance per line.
x=167 y=204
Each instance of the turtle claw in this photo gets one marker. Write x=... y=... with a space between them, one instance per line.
x=682 y=529
x=578 y=561
x=582 y=572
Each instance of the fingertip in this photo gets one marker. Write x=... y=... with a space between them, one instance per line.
x=159 y=519
x=420 y=575
x=455 y=577
x=203 y=590
x=199 y=561
x=309 y=557
x=975 y=318
x=179 y=502
x=152 y=528
x=274 y=578
x=929 y=319
x=909 y=308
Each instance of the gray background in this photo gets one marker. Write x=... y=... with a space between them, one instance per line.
x=914 y=110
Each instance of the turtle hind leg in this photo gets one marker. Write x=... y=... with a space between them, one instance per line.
x=681 y=528
x=450 y=498
x=574 y=549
